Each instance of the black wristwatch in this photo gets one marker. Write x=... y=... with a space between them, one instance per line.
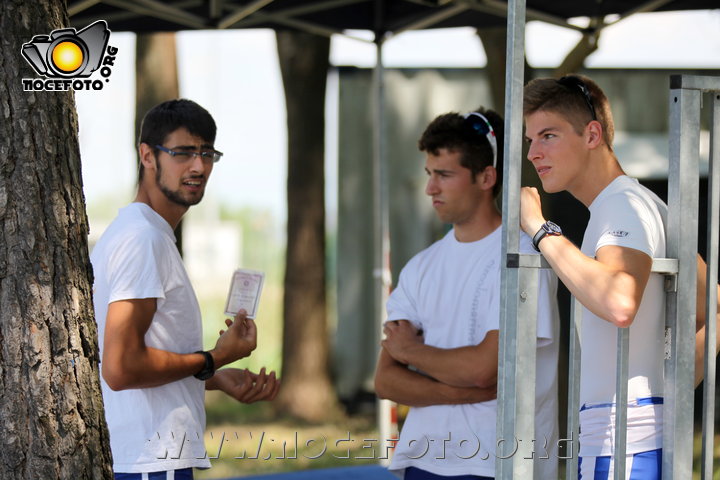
x=547 y=228
x=208 y=369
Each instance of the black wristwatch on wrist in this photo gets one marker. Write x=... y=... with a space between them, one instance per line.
x=547 y=228
x=208 y=369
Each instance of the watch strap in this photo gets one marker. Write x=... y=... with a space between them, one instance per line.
x=208 y=369
x=547 y=228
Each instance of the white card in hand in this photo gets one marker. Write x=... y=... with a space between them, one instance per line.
x=244 y=292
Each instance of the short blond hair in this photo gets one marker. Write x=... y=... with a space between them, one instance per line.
x=566 y=97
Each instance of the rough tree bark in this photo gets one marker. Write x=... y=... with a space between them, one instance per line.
x=156 y=80
x=307 y=391
x=50 y=400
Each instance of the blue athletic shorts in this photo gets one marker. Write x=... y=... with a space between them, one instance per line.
x=640 y=466
x=184 y=474
x=412 y=473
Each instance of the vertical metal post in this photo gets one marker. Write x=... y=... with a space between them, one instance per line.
x=681 y=244
x=525 y=373
x=507 y=422
x=708 y=421
x=621 y=399
x=381 y=237
x=573 y=418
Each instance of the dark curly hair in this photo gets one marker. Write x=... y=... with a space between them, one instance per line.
x=452 y=131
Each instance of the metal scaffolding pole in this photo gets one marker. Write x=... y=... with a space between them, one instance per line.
x=621 y=399
x=381 y=237
x=682 y=234
x=516 y=366
x=713 y=231
x=573 y=416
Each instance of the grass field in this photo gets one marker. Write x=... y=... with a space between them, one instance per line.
x=261 y=444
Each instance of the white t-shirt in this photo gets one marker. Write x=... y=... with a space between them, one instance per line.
x=624 y=214
x=159 y=428
x=451 y=291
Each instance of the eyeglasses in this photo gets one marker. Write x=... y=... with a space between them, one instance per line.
x=479 y=124
x=184 y=156
x=571 y=82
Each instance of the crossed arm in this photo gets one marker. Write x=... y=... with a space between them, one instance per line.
x=450 y=376
x=129 y=363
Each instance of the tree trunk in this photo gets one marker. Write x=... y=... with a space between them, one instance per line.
x=307 y=391
x=575 y=59
x=50 y=400
x=494 y=40
x=156 y=80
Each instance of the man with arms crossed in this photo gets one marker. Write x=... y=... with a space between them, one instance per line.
x=154 y=372
x=440 y=355
x=570 y=129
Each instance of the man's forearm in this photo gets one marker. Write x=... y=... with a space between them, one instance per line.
x=149 y=367
x=394 y=381
x=606 y=288
x=471 y=366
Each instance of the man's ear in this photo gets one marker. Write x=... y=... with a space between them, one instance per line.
x=594 y=132
x=487 y=178
x=147 y=156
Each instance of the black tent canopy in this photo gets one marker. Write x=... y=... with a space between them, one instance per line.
x=334 y=16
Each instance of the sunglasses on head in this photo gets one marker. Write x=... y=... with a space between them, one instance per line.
x=573 y=83
x=479 y=124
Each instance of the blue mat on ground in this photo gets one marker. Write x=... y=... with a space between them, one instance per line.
x=371 y=472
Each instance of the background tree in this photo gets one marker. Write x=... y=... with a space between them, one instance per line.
x=494 y=41
x=50 y=400
x=156 y=80
x=307 y=391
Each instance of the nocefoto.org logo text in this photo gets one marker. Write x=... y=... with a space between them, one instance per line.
x=67 y=58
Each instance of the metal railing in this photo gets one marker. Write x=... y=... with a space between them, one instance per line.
x=686 y=97
x=519 y=287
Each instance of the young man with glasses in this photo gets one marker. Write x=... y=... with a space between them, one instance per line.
x=440 y=355
x=154 y=371
x=569 y=128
